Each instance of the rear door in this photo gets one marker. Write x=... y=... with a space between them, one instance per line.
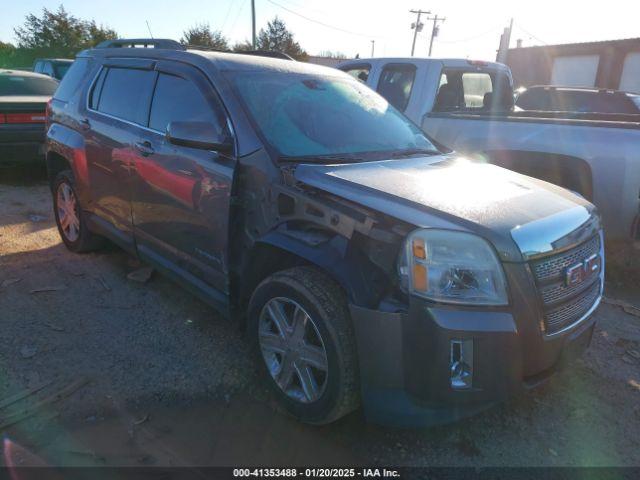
x=181 y=195
x=118 y=109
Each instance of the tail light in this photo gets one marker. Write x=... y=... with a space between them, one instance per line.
x=35 y=117
x=48 y=110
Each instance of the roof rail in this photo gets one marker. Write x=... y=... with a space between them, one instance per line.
x=268 y=53
x=142 y=43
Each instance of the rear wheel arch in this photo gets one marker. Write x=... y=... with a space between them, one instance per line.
x=56 y=163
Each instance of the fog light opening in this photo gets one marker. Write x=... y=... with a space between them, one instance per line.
x=461 y=364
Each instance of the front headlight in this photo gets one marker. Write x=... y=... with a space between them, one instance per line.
x=452 y=267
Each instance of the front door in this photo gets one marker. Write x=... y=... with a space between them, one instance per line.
x=181 y=195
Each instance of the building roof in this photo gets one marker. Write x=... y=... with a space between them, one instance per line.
x=598 y=43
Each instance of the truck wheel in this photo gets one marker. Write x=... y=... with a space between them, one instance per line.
x=300 y=328
x=69 y=216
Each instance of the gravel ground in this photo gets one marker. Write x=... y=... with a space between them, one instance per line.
x=124 y=373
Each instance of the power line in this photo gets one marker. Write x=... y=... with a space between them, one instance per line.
x=531 y=34
x=226 y=17
x=322 y=23
x=468 y=39
x=235 y=20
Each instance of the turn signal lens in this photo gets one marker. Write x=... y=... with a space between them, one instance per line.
x=420 y=280
x=418 y=249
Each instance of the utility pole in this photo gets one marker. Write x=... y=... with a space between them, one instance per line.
x=253 y=23
x=505 y=39
x=417 y=27
x=434 y=30
x=373 y=47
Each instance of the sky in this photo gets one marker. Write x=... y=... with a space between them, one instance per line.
x=471 y=29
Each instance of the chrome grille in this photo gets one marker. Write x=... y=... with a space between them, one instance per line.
x=564 y=304
x=569 y=312
x=558 y=291
x=554 y=265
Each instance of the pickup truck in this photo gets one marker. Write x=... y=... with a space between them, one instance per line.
x=366 y=266
x=467 y=106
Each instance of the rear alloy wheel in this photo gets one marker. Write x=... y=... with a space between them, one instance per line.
x=69 y=216
x=67 y=208
x=301 y=330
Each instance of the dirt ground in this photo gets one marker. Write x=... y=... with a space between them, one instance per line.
x=96 y=369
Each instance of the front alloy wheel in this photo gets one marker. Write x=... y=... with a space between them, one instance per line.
x=293 y=350
x=303 y=337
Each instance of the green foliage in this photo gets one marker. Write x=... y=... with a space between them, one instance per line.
x=243 y=46
x=53 y=34
x=202 y=35
x=60 y=31
x=276 y=37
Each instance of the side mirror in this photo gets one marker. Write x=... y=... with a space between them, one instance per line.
x=202 y=135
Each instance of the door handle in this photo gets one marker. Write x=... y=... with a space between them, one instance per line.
x=144 y=148
x=85 y=124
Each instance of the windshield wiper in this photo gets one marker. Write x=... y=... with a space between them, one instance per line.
x=414 y=151
x=334 y=157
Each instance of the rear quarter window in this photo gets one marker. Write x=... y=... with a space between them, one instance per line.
x=72 y=80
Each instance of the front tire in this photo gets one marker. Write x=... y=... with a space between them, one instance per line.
x=300 y=327
x=70 y=218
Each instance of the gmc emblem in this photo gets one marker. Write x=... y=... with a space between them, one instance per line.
x=579 y=272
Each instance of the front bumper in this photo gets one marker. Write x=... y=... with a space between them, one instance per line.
x=21 y=143
x=405 y=355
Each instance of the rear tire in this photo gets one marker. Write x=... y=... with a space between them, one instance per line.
x=70 y=218
x=308 y=356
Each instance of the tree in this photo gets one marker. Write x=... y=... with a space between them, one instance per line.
x=277 y=38
x=243 y=46
x=202 y=35
x=60 y=32
x=330 y=54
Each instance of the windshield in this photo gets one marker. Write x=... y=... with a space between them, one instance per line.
x=17 y=85
x=314 y=116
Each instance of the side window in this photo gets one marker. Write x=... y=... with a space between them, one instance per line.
x=47 y=69
x=38 y=67
x=71 y=81
x=475 y=86
x=177 y=99
x=359 y=72
x=125 y=94
x=395 y=84
x=94 y=95
x=448 y=94
x=537 y=99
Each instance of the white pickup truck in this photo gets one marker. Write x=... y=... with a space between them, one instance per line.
x=467 y=106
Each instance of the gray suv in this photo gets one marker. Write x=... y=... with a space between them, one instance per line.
x=368 y=266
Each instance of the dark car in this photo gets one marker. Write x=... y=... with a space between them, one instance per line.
x=575 y=99
x=366 y=266
x=52 y=67
x=23 y=101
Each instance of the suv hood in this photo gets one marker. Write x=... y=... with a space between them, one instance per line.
x=515 y=212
